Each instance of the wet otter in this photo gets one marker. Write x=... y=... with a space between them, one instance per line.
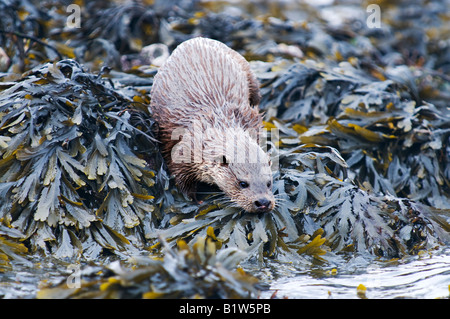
x=206 y=94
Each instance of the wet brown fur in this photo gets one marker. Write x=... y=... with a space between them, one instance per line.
x=207 y=86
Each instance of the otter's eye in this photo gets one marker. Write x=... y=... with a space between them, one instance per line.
x=243 y=184
x=269 y=184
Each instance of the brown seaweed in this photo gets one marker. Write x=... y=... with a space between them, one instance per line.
x=363 y=143
x=185 y=272
x=68 y=167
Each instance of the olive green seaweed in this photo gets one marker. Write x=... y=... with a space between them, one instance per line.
x=359 y=128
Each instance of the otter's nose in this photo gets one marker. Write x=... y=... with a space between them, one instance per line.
x=262 y=205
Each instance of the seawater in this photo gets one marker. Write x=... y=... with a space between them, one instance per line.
x=424 y=277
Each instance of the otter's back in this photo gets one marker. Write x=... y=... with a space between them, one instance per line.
x=202 y=73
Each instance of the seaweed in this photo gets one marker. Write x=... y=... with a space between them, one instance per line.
x=69 y=168
x=359 y=130
x=184 y=272
x=375 y=131
x=366 y=132
x=11 y=249
x=273 y=235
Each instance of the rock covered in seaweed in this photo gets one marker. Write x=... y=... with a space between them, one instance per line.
x=74 y=174
x=362 y=116
x=185 y=272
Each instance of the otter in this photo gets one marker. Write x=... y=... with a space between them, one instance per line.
x=205 y=100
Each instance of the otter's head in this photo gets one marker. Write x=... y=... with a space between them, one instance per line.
x=248 y=185
x=242 y=171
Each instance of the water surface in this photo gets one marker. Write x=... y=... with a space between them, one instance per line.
x=427 y=276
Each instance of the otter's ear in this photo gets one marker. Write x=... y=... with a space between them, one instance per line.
x=221 y=160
